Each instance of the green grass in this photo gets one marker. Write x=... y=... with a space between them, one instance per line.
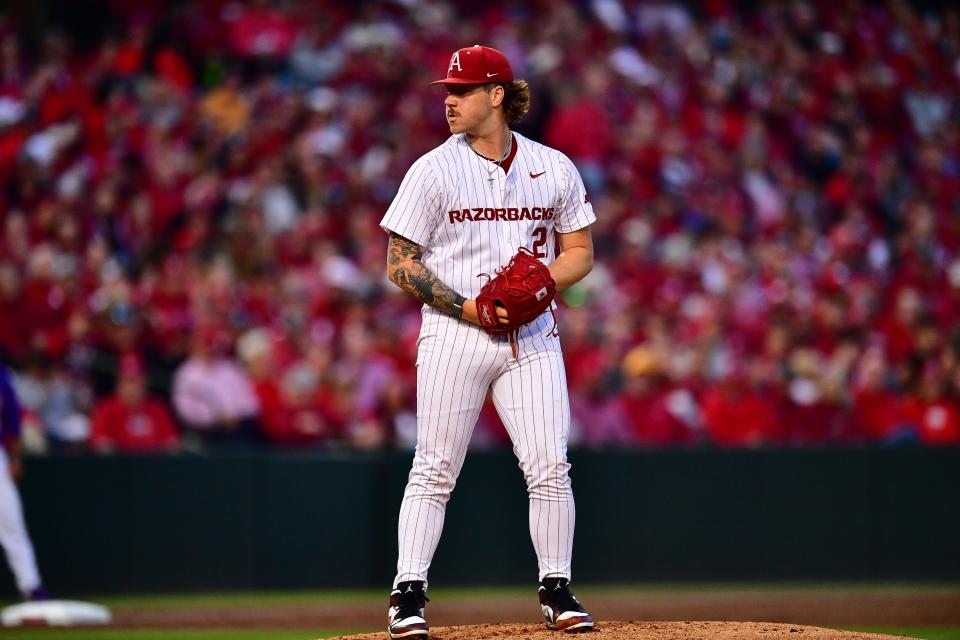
x=927 y=633
x=167 y=634
x=230 y=599
x=248 y=598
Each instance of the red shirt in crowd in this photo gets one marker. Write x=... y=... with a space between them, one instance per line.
x=652 y=423
x=119 y=426
x=875 y=413
x=737 y=416
x=307 y=421
x=937 y=421
x=818 y=423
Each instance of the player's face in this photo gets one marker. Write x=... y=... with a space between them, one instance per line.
x=468 y=107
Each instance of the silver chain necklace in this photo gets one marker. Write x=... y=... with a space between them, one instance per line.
x=496 y=163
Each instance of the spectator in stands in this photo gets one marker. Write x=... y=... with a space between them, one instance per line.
x=875 y=410
x=738 y=414
x=212 y=394
x=363 y=374
x=296 y=407
x=130 y=421
x=598 y=418
x=812 y=411
x=51 y=398
x=226 y=107
x=931 y=411
x=650 y=404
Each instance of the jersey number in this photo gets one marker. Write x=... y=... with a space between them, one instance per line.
x=540 y=242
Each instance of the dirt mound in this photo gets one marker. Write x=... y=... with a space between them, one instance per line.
x=643 y=631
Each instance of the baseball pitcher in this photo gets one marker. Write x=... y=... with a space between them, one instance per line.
x=485 y=230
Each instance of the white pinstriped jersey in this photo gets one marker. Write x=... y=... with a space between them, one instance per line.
x=467 y=226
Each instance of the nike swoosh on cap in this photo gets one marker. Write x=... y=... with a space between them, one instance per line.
x=490 y=75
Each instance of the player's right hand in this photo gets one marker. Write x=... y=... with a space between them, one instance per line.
x=14 y=460
x=470 y=313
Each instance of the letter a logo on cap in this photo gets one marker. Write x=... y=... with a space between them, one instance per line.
x=478 y=67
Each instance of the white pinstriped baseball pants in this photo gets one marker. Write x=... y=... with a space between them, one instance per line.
x=13 y=532
x=457 y=363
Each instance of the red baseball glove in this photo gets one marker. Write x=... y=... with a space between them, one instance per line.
x=524 y=288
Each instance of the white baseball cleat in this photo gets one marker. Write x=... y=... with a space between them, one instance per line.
x=561 y=609
x=405 y=617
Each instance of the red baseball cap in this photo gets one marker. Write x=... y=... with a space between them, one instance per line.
x=477 y=65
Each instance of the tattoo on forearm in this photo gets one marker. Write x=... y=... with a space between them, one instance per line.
x=401 y=250
x=412 y=276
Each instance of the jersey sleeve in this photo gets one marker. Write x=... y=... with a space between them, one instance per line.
x=416 y=210
x=10 y=413
x=576 y=212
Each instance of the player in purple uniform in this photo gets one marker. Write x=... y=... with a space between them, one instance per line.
x=13 y=530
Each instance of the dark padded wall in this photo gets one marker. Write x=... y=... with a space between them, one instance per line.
x=243 y=521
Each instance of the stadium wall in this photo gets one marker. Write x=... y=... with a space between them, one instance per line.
x=265 y=521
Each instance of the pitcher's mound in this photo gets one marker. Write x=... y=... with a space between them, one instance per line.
x=642 y=631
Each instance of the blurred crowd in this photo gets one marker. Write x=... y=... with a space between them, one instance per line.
x=190 y=195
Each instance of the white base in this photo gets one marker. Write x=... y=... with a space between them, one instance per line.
x=54 y=613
